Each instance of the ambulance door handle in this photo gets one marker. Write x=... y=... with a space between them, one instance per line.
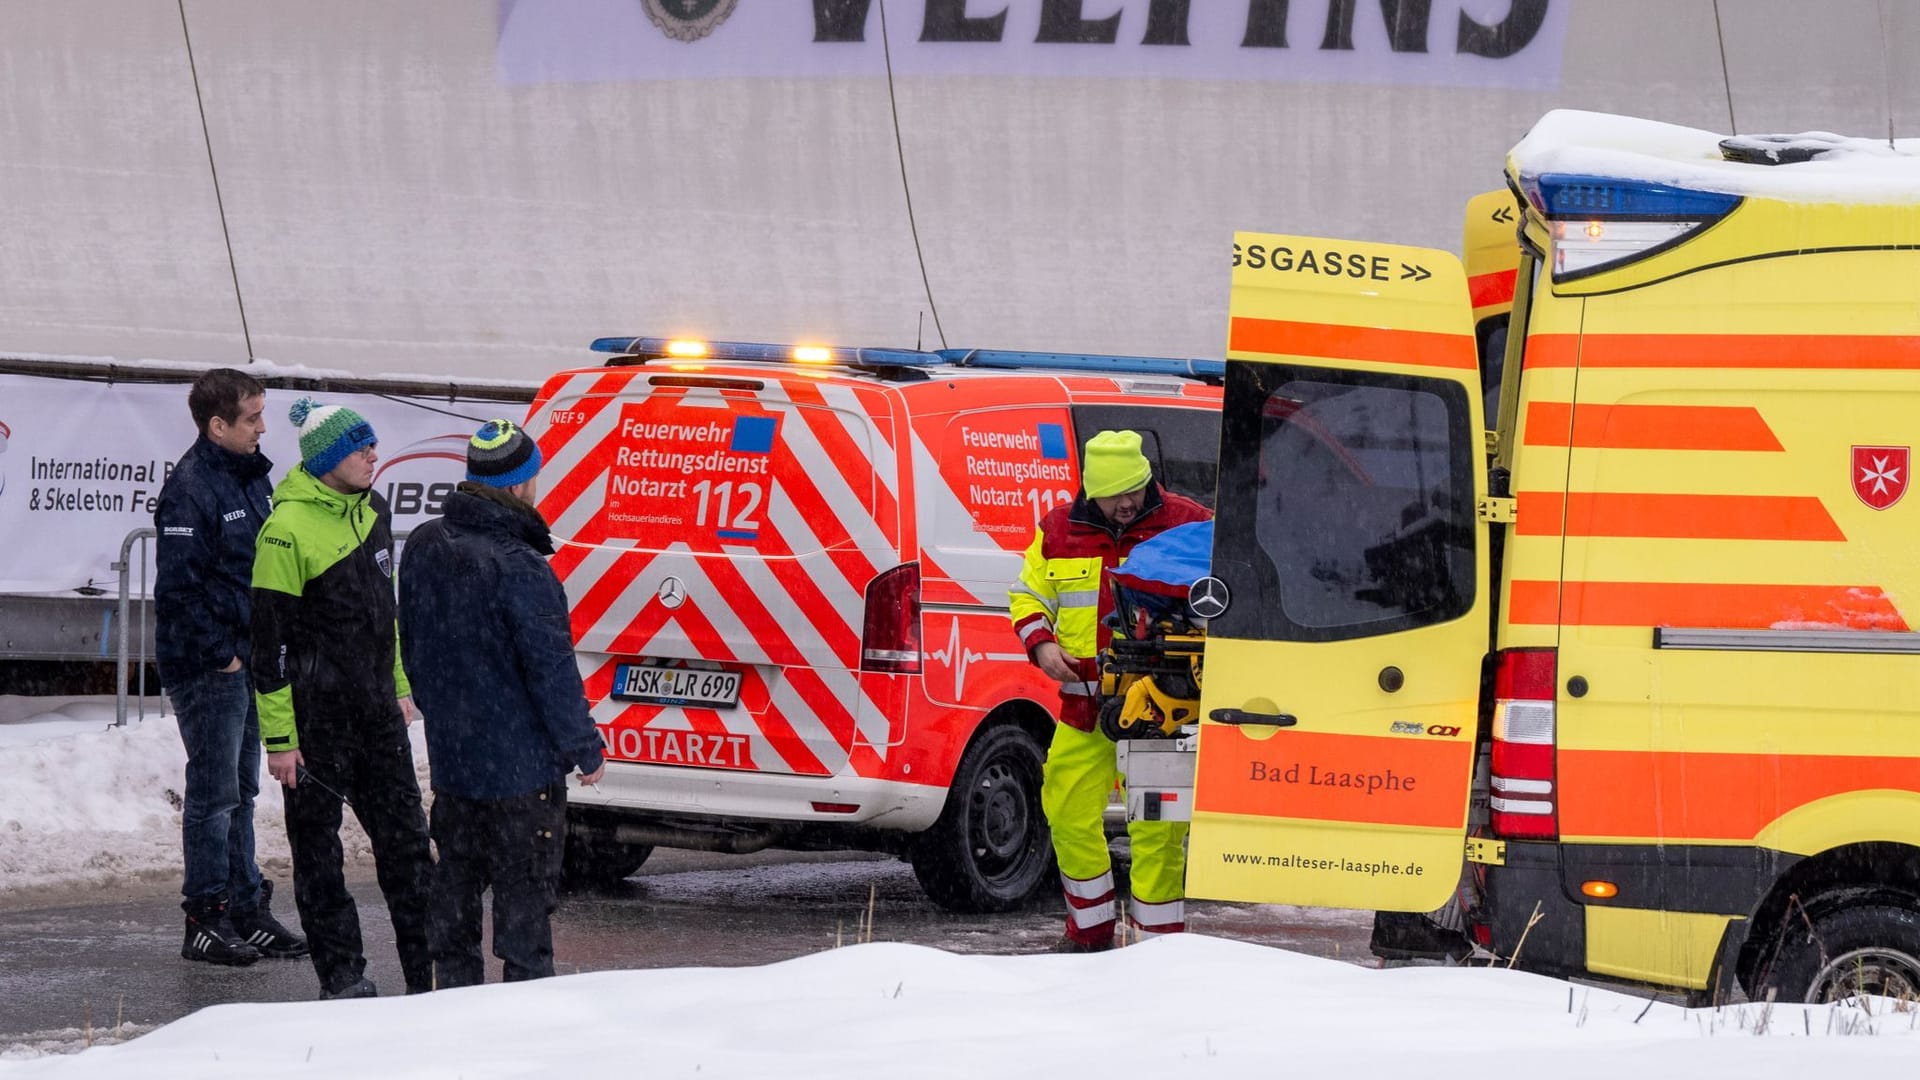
x=1242 y=716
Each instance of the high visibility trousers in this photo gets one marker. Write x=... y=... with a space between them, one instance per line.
x=1079 y=780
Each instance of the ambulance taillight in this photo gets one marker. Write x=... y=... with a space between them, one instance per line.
x=1523 y=800
x=890 y=640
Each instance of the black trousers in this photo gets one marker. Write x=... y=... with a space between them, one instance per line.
x=513 y=845
x=375 y=775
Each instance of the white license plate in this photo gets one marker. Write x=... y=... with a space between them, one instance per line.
x=703 y=687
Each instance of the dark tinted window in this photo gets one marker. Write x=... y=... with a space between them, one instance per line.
x=1492 y=335
x=1350 y=507
x=1182 y=443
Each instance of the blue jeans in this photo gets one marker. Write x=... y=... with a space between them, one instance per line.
x=221 y=730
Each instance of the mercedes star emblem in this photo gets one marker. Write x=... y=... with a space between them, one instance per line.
x=1208 y=598
x=673 y=592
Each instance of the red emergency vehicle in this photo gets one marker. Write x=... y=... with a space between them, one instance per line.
x=787 y=568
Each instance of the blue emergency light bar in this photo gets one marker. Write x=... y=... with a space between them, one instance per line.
x=694 y=350
x=1089 y=362
x=759 y=353
x=1575 y=196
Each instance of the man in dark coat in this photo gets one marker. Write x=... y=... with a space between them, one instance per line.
x=484 y=634
x=209 y=512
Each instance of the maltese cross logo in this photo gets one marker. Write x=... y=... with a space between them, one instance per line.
x=1880 y=474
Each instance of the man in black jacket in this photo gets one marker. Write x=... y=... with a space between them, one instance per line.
x=209 y=512
x=484 y=635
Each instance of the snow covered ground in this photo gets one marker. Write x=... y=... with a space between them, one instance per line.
x=83 y=803
x=1184 y=1006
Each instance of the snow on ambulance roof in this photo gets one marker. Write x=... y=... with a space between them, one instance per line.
x=1840 y=169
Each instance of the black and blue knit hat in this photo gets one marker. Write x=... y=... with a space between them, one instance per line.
x=328 y=433
x=501 y=455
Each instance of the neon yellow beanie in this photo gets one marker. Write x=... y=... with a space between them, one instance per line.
x=1115 y=464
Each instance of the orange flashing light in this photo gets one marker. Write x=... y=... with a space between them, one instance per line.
x=1600 y=890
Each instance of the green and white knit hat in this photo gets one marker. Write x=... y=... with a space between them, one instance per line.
x=328 y=433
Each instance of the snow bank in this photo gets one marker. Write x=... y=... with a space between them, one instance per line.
x=84 y=803
x=1183 y=1006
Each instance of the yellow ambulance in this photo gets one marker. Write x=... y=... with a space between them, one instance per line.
x=1663 y=589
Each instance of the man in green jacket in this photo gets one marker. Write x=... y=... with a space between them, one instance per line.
x=333 y=700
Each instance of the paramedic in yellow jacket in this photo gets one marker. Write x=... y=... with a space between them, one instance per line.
x=1059 y=610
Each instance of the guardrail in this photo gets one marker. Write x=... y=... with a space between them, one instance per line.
x=124 y=654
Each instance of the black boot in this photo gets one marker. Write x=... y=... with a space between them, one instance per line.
x=264 y=932
x=1069 y=945
x=359 y=988
x=210 y=936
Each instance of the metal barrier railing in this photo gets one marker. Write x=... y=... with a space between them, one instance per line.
x=124 y=615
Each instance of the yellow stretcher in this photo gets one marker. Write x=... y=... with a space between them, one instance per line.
x=1150 y=669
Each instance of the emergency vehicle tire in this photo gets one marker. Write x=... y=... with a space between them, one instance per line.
x=1862 y=949
x=593 y=863
x=990 y=850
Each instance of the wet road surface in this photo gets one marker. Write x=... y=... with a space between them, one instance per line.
x=107 y=966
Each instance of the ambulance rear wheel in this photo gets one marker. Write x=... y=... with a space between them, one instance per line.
x=591 y=862
x=990 y=850
x=1861 y=949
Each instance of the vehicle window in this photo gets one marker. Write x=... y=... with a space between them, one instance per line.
x=697 y=468
x=1492 y=335
x=1182 y=443
x=1352 y=505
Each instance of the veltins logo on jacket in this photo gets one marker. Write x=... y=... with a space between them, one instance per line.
x=688 y=20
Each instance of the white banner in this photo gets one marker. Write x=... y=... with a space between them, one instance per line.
x=82 y=462
x=1504 y=43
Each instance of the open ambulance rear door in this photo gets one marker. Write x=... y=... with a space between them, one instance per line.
x=1492 y=260
x=1342 y=671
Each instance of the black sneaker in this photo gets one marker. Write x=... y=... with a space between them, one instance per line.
x=211 y=938
x=360 y=988
x=264 y=932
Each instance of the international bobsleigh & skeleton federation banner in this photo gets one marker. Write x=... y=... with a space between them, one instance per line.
x=82 y=462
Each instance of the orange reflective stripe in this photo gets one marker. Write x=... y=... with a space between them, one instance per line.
x=1682 y=796
x=1688 y=517
x=1494 y=288
x=1824 y=351
x=1648 y=427
x=1703 y=605
x=1424 y=348
x=1323 y=776
x=1533 y=603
